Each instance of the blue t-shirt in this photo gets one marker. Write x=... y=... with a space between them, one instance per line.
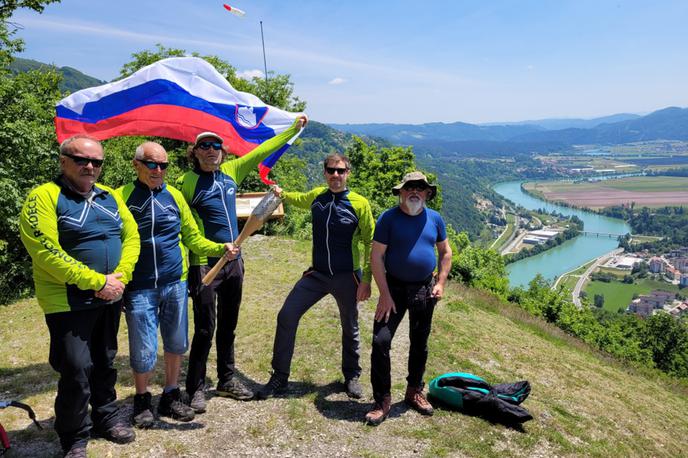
x=410 y=241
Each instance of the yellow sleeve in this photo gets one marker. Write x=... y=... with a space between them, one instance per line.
x=38 y=230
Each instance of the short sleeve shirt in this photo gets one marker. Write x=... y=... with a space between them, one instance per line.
x=410 y=241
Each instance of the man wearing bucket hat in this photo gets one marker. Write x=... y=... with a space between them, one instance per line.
x=210 y=189
x=403 y=261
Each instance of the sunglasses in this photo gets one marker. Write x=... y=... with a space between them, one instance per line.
x=152 y=165
x=208 y=145
x=84 y=161
x=418 y=186
x=338 y=170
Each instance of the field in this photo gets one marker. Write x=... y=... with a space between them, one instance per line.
x=643 y=191
x=618 y=295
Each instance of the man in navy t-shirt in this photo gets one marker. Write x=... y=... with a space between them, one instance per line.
x=403 y=261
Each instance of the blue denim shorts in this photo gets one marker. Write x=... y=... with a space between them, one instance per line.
x=145 y=309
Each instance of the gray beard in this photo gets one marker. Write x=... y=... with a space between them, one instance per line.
x=414 y=207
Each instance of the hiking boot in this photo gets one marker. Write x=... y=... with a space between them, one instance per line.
x=197 y=401
x=171 y=405
x=143 y=414
x=119 y=434
x=379 y=411
x=416 y=400
x=353 y=388
x=233 y=388
x=77 y=451
x=276 y=385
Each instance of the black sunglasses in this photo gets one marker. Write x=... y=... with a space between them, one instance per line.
x=152 y=165
x=415 y=186
x=208 y=145
x=339 y=170
x=84 y=161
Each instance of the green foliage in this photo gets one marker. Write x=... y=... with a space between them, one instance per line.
x=375 y=171
x=28 y=157
x=477 y=267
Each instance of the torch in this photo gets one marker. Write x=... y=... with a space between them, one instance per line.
x=262 y=212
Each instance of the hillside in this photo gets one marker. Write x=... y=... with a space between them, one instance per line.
x=461 y=139
x=72 y=79
x=583 y=403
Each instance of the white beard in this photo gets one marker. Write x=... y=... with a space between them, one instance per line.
x=413 y=206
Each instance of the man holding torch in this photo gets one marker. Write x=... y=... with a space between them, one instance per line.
x=210 y=190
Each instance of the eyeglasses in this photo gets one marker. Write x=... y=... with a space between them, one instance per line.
x=415 y=186
x=84 y=161
x=152 y=165
x=338 y=170
x=208 y=145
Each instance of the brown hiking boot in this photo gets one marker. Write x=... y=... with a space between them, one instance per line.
x=379 y=412
x=416 y=400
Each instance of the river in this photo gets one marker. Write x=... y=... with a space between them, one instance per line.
x=570 y=254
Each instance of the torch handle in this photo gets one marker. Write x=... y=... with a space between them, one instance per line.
x=251 y=226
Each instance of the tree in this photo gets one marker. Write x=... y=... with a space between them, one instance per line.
x=598 y=300
x=8 y=45
x=28 y=149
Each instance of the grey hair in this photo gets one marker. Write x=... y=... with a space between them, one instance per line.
x=140 y=150
x=336 y=157
x=66 y=146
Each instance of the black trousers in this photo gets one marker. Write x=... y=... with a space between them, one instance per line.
x=312 y=287
x=83 y=345
x=417 y=300
x=226 y=292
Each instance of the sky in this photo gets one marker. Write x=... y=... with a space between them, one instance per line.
x=400 y=61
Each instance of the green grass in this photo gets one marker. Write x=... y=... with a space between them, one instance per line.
x=618 y=295
x=638 y=184
x=622 y=412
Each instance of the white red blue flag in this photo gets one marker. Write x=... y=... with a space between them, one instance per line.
x=177 y=98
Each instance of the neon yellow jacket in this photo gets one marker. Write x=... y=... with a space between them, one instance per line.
x=212 y=195
x=74 y=242
x=340 y=221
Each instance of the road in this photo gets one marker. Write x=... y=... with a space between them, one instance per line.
x=509 y=244
x=581 y=281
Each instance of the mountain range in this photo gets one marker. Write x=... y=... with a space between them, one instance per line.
x=72 y=79
x=466 y=139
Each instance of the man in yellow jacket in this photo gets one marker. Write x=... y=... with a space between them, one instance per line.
x=84 y=243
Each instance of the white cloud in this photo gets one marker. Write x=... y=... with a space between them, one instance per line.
x=336 y=81
x=530 y=67
x=250 y=74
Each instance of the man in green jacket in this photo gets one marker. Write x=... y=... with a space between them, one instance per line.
x=157 y=295
x=210 y=189
x=341 y=219
x=84 y=244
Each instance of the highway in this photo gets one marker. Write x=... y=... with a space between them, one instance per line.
x=581 y=281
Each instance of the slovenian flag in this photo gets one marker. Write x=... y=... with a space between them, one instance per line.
x=177 y=98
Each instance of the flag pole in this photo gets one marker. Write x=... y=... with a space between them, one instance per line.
x=265 y=63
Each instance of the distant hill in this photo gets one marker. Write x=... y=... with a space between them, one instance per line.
x=470 y=140
x=568 y=123
x=72 y=79
x=666 y=124
x=438 y=131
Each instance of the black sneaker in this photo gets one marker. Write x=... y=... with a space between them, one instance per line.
x=143 y=413
x=77 y=451
x=233 y=388
x=120 y=433
x=197 y=400
x=353 y=388
x=171 y=405
x=276 y=385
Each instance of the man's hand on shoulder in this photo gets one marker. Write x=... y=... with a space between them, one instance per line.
x=113 y=288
